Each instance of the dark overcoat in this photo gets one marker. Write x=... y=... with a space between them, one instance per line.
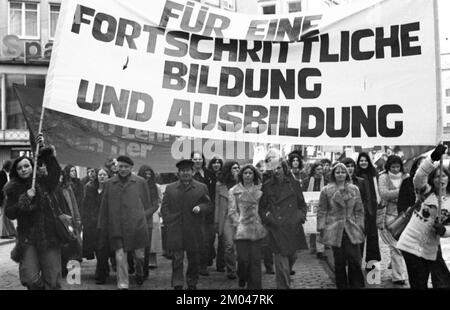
x=283 y=211
x=183 y=226
x=124 y=210
x=89 y=218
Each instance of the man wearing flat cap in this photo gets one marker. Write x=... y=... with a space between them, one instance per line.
x=182 y=207
x=124 y=209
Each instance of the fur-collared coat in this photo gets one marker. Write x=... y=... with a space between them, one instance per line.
x=282 y=209
x=243 y=212
x=184 y=226
x=340 y=211
x=35 y=220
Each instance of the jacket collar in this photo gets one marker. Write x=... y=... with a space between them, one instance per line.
x=116 y=179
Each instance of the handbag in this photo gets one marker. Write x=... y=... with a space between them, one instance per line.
x=63 y=223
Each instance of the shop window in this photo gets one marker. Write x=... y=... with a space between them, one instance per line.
x=54 y=13
x=295 y=6
x=24 y=19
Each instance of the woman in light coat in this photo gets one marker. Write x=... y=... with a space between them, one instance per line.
x=340 y=222
x=389 y=185
x=243 y=212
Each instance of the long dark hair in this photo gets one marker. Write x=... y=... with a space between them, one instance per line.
x=226 y=177
x=391 y=160
x=150 y=182
x=203 y=157
x=256 y=176
x=371 y=171
x=213 y=160
x=66 y=174
x=13 y=172
x=314 y=166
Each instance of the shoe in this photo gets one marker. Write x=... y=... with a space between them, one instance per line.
x=292 y=272
x=220 y=269
x=241 y=283
x=320 y=255
x=192 y=287
x=139 y=280
x=204 y=273
x=100 y=281
x=312 y=251
x=270 y=271
x=390 y=266
x=399 y=282
x=131 y=270
x=152 y=267
x=231 y=276
x=178 y=287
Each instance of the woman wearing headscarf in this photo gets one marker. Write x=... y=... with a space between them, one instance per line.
x=366 y=170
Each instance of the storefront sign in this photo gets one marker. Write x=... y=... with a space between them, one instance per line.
x=14 y=49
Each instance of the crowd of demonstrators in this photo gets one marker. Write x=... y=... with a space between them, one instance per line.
x=256 y=212
x=7 y=229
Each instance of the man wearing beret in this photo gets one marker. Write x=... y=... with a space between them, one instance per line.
x=124 y=210
x=182 y=207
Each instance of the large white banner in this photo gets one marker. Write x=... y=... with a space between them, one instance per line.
x=351 y=75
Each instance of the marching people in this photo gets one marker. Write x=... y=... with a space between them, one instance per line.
x=95 y=243
x=90 y=177
x=244 y=215
x=283 y=210
x=340 y=222
x=150 y=261
x=389 y=185
x=125 y=209
x=73 y=250
x=38 y=248
x=215 y=168
x=7 y=229
x=420 y=241
x=226 y=231
x=203 y=175
x=366 y=170
x=71 y=178
x=296 y=163
x=182 y=207
x=111 y=165
x=315 y=182
x=326 y=164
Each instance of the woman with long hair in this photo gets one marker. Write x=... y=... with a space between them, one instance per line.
x=225 y=230
x=315 y=182
x=92 y=243
x=244 y=215
x=340 y=222
x=366 y=170
x=389 y=184
x=420 y=241
x=70 y=177
x=38 y=249
x=150 y=261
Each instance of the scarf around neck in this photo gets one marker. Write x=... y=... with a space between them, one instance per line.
x=396 y=179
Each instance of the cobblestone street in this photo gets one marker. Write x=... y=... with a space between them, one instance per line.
x=311 y=273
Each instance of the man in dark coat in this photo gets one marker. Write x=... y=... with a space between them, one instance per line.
x=283 y=210
x=183 y=204
x=124 y=210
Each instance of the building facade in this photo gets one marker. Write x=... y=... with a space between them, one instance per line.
x=27 y=30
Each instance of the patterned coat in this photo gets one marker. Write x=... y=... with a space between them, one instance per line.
x=243 y=212
x=338 y=212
